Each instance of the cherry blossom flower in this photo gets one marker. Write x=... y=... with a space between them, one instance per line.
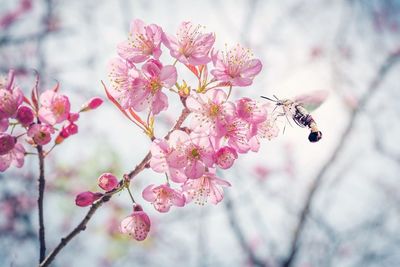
x=40 y=133
x=190 y=46
x=197 y=151
x=15 y=156
x=250 y=111
x=54 y=107
x=165 y=159
x=7 y=143
x=87 y=198
x=209 y=109
x=235 y=131
x=157 y=76
x=206 y=188
x=235 y=66
x=225 y=157
x=127 y=83
x=107 y=181
x=137 y=224
x=11 y=97
x=143 y=42
x=25 y=115
x=267 y=129
x=163 y=197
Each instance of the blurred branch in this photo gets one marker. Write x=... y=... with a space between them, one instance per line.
x=384 y=69
x=254 y=260
x=41 y=188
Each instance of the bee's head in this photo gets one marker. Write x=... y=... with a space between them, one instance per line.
x=315 y=136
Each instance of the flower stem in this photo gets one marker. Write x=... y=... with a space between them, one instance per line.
x=130 y=194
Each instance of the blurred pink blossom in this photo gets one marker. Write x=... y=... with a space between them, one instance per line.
x=54 y=107
x=41 y=133
x=15 y=156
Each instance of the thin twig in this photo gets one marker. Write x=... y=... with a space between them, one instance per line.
x=82 y=225
x=41 y=187
x=387 y=65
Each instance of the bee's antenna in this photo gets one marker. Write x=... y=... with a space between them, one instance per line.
x=273 y=100
x=277 y=99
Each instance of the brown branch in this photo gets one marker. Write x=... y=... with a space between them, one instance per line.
x=387 y=65
x=106 y=197
x=41 y=187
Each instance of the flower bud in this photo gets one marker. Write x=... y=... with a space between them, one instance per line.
x=93 y=103
x=108 y=181
x=87 y=198
x=25 y=115
x=7 y=143
x=73 y=117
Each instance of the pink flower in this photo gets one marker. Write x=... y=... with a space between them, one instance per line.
x=225 y=157
x=127 y=83
x=7 y=143
x=208 y=109
x=157 y=76
x=192 y=46
x=41 y=133
x=196 y=149
x=143 y=41
x=165 y=159
x=15 y=156
x=93 y=103
x=235 y=131
x=25 y=115
x=87 y=198
x=207 y=188
x=54 y=107
x=250 y=111
x=266 y=129
x=3 y=125
x=137 y=224
x=136 y=90
x=163 y=197
x=11 y=97
x=235 y=66
x=108 y=181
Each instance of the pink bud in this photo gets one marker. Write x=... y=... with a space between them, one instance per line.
x=87 y=198
x=7 y=143
x=93 y=103
x=108 y=182
x=72 y=129
x=73 y=117
x=225 y=157
x=25 y=115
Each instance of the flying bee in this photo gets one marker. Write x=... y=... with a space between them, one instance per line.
x=299 y=109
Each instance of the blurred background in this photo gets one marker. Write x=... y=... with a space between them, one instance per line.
x=333 y=203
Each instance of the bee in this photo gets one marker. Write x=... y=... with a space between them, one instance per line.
x=299 y=109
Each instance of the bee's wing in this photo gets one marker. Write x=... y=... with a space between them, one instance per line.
x=312 y=100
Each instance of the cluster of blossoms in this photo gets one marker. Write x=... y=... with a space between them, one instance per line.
x=216 y=131
x=40 y=118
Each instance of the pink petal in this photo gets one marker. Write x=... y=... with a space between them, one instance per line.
x=195 y=169
x=148 y=193
x=168 y=76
